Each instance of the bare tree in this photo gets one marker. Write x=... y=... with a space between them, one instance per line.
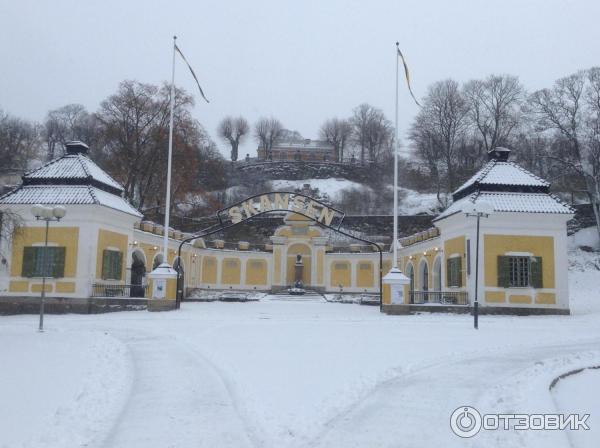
x=134 y=124
x=70 y=122
x=494 y=108
x=571 y=109
x=372 y=132
x=439 y=131
x=267 y=131
x=337 y=132
x=234 y=131
x=19 y=142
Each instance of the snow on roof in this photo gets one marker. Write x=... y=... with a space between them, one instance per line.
x=512 y=202
x=503 y=173
x=67 y=195
x=73 y=166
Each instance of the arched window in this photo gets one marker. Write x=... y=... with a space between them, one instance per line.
x=424 y=276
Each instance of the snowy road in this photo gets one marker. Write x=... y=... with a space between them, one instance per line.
x=282 y=374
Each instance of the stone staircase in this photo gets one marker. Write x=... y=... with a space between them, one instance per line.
x=308 y=296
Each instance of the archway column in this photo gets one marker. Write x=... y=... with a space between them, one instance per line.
x=318 y=263
x=279 y=258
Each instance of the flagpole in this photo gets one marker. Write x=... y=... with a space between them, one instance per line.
x=170 y=156
x=395 y=242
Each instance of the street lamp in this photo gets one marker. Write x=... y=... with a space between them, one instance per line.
x=479 y=209
x=47 y=214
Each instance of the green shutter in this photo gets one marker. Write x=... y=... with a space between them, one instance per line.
x=118 y=265
x=57 y=257
x=536 y=272
x=29 y=254
x=105 y=264
x=449 y=272
x=458 y=271
x=503 y=271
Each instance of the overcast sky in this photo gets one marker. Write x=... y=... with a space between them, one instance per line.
x=300 y=61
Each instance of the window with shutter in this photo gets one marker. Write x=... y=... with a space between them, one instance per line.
x=36 y=265
x=536 y=272
x=112 y=264
x=454 y=272
x=503 y=271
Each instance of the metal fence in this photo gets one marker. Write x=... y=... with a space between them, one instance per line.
x=439 y=297
x=106 y=290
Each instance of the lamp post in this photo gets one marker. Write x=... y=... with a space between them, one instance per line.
x=480 y=209
x=46 y=214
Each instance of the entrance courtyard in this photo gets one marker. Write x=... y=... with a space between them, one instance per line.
x=288 y=373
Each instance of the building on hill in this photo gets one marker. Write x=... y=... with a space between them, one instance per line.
x=523 y=246
x=307 y=150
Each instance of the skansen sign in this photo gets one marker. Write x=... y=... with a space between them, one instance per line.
x=279 y=202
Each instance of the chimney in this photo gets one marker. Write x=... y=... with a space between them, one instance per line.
x=499 y=154
x=76 y=147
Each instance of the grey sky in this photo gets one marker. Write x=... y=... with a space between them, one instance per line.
x=300 y=61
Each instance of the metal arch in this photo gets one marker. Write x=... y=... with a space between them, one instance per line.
x=210 y=231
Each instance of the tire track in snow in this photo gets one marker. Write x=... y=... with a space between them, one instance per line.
x=176 y=400
x=407 y=410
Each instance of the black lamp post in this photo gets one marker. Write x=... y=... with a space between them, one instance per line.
x=47 y=214
x=480 y=209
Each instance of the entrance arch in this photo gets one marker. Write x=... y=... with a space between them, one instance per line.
x=305 y=252
x=424 y=275
x=157 y=261
x=138 y=273
x=282 y=202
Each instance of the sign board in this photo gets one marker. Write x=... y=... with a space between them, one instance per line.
x=282 y=202
x=159 y=288
x=397 y=293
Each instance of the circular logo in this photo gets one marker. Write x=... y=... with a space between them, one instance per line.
x=465 y=421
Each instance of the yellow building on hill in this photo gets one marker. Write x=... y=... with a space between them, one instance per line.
x=103 y=249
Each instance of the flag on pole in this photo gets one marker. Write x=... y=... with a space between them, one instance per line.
x=192 y=71
x=407 y=74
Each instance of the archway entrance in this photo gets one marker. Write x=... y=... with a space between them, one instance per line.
x=285 y=203
x=138 y=274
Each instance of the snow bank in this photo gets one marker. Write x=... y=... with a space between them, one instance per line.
x=58 y=388
x=585 y=237
x=580 y=394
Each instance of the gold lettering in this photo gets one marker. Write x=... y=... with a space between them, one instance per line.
x=298 y=203
x=310 y=209
x=326 y=216
x=281 y=203
x=235 y=215
x=249 y=208
x=265 y=203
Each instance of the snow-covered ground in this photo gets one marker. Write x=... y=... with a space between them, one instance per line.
x=291 y=374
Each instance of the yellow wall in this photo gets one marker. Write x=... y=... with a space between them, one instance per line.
x=67 y=237
x=209 y=270
x=539 y=246
x=386 y=266
x=365 y=278
x=256 y=272
x=340 y=276
x=455 y=246
x=320 y=264
x=277 y=264
x=107 y=239
x=18 y=286
x=231 y=271
x=67 y=287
